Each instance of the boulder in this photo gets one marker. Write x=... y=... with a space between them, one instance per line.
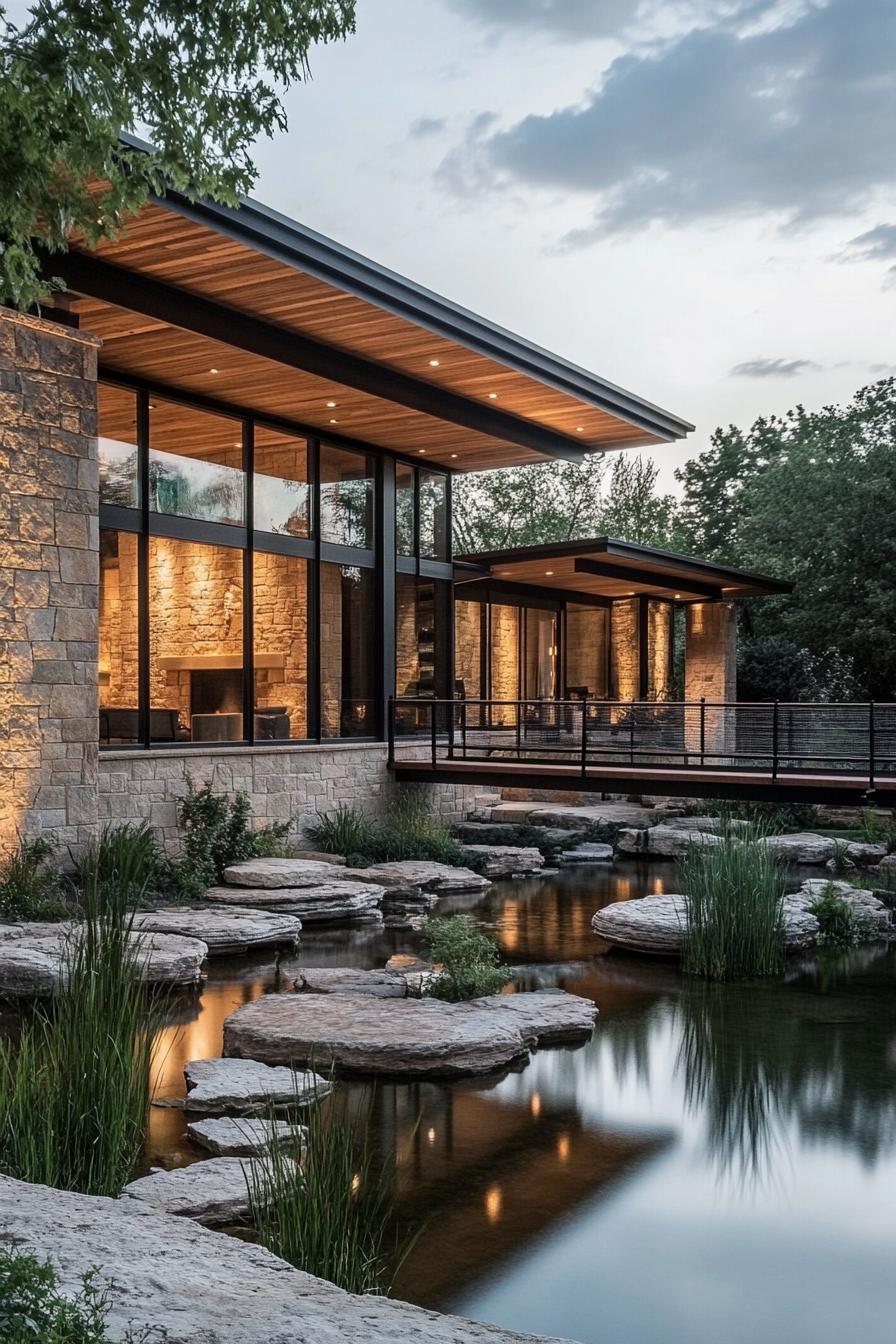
x=425 y=874
x=874 y=918
x=587 y=853
x=573 y=816
x=662 y=841
x=328 y=903
x=224 y=929
x=549 y=1016
x=802 y=847
x=276 y=873
x=185 y=1284
x=230 y=1137
x=350 y=980
x=32 y=958
x=213 y=1192
x=507 y=860
x=407 y=1037
x=247 y=1087
x=864 y=854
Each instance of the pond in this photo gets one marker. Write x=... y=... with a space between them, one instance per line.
x=717 y=1163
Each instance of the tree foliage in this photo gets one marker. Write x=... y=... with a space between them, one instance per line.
x=203 y=81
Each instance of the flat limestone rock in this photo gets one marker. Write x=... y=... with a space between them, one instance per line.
x=662 y=841
x=350 y=980
x=507 y=860
x=550 y=1015
x=280 y=873
x=802 y=847
x=359 y=1034
x=215 y=1191
x=426 y=874
x=864 y=853
x=230 y=1137
x=875 y=919
x=247 y=1087
x=587 y=853
x=32 y=959
x=224 y=929
x=575 y=816
x=190 y=1285
x=327 y=903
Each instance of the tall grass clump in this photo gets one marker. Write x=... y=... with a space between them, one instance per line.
x=30 y=884
x=734 y=895
x=331 y=1215
x=126 y=855
x=469 y=960
x=409 y=830
x=74 y=1088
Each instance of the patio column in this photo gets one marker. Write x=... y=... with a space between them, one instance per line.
x=49 y=563
x=710 y=673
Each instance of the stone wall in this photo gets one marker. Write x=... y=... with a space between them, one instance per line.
x=49 y=548
x=659 y=650
x=710 y=670
x=624 y=650
x=283 y=783
x=586 y=649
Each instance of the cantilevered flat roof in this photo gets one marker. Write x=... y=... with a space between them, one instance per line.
x=610 y=569
x=248 y=307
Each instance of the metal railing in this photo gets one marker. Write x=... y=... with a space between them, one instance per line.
x=773 y=737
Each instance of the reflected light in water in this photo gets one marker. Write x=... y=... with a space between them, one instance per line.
x=431 y=1135
x=494 y=1201
x=535 y=1105
x=563 y=1147
x=624 y=889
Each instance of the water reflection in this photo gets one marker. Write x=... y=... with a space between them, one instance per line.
x=737 y=1142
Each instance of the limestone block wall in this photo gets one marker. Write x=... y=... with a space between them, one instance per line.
x=49 y=549
x=624 y=650
x=281 y=627
x=659 y=650
x=586 y=649
x=287 y=782
x=710 y=670
x=467 y=646
x=504 y=653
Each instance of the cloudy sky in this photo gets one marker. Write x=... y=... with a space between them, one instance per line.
x=694 y=198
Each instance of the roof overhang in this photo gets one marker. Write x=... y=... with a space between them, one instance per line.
x=606 y=570
x=291 y=321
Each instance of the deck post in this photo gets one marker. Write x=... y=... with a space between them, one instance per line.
x=702 y=729
x=870 y=745
x=432 y=731
x=390 y=731
x=519 y=729
x=631 y=734
x=775 y=741
x=584 y=738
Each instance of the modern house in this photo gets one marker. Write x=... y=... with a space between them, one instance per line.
x=225 y=526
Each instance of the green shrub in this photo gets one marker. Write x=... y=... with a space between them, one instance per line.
x=469 y=958
x=33 y=1311
x=126 y=855
x=74 y=1087
x=217 y=831
x=600 y=832
x=838 y=925
x=30 y=885
x=409 y=830
x=332 y=1215
x=734 y=910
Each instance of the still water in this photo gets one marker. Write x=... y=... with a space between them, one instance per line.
x=716 y=1164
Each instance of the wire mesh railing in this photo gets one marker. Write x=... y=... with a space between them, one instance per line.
x=771 y=737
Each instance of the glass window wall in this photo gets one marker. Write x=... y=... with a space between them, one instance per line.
x=119 y=660
x=347 y=651
x=195 y=464
x=117 y=447
x=281 y=484
x=346 y=497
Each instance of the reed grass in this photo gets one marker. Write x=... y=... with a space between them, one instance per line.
x=331 y=1215
x=409 y=830
x=30 y=885
x=734 y=895
x=124 y=855
x=74 y=1088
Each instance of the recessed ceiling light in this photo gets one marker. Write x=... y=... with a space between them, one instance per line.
x=433 y=363
x=677 y=596
x=237 y=445
x=454 y=454
x=333 y=422
x=580 y=429
x=330 y=405
x=421 y=450
x=549 y=571
x=213 y=370
x=493 y=396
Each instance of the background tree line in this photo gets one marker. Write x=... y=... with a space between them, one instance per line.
x=808 y=496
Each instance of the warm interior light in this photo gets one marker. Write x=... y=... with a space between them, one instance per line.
x=563 y=1147
x=580 y=429
x=493 y=1201
x=549 y=571
x=421 y=450
x=454 y=454
x=677 y=596
x=330 y=405
x=493 y=396
x=431 y=1135
x=213 y=370
x=433 y=363
x=535 y=1105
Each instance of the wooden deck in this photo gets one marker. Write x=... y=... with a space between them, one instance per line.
x=837 y=788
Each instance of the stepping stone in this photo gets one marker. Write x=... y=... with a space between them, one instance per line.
x=411 y=1038
x=247 y=1087
x=550 y=1015
x=587 y=853
x=663 y=842
x=229 y=1137
x=507 y=860
x=224 y=929
x=181 y=1283
x=425 y=874
x=328 y=903
x=276 y=873
x=350 y=980
x=214 y=1192
x=32 y=959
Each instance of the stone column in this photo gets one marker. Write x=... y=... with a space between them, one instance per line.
x=710 y=673
x=49 y=570
x=625 y=650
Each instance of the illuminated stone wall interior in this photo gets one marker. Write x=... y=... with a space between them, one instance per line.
x=586 y=649
x=711 y=669
x=468 y=646
x=281 y=628
x=504 y=650
x=624 y=651
x=49 y=543
x=659 y=650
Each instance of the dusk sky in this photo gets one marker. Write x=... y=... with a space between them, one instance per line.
x=693 y=198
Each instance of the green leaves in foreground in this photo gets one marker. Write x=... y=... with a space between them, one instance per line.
x=734 y=895
x=33 y=1311
x=74 y=1087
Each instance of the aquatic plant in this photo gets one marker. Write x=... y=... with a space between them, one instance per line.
x=125 y=854
x=838 y=924
x=734 y=894
x=74 y=1087
x=34 y=1311
x=345 y=830
x=468 y=957
x=30 y=884
x=216 y=831
x=409 y=830
x=332 y=1214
